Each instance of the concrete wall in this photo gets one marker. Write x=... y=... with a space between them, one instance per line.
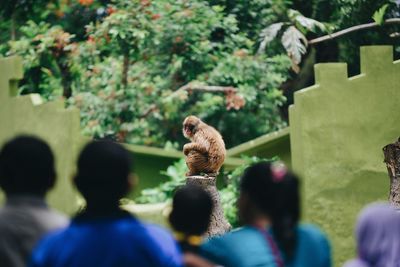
x=338 y=128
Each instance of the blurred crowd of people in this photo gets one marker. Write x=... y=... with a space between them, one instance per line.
x=104 y=235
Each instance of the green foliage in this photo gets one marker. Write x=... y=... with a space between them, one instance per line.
x=252 y=16
x=165 y=191
x=124 y=76
x=347 y=13
x=44 y=50
x=124 y=62
x=176 y=173
x=379 y=14
x=293 y=36
x=230 y=193
x=24 y=9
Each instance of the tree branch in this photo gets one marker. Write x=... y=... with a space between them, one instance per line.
x=193 y=87
x=352 y=29
x=204 y=88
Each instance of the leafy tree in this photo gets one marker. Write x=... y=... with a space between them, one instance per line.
x=18 y=11
x=178 y=48
x=293 y=36
x=46 y=52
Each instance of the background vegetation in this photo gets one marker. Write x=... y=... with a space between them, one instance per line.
x=136 y=68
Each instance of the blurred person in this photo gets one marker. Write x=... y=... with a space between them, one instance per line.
x=378 y=237
x=104 y=235
x=269 y=209
x=190 y=217
x=26 y=174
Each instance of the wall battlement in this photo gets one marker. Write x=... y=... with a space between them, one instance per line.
x=338 y=128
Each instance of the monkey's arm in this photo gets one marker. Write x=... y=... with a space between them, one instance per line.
x=194 y=146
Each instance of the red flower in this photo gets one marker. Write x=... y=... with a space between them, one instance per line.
x=145 y=3
x=111 y=10
x=85 y=2
x=155 y=16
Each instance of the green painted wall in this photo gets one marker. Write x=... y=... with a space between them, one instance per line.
x=51 y=121
x=266 y=146
x=337 y=130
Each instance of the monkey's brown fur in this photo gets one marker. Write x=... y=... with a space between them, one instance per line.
x=206 y=153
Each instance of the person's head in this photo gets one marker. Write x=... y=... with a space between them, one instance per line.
x=377 y=234
x=268 y=190
x=103 y=173
x=26 y=167
x=191 y=210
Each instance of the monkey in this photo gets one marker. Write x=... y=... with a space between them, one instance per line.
x=206 y=152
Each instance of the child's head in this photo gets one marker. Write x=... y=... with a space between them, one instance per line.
x=26 y=167
x=103 y=172
x=191 y=210
x=269 y=190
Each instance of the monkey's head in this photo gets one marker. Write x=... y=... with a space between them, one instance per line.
x=190 y=126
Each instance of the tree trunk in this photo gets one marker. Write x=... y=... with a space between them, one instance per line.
x=125 y=69
x=66 y=77
x=13 y=27
x=392 y=160
x=218 y=225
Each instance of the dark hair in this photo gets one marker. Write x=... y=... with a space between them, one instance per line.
x=103 y=171
x=26 y=166
x=276 y=194
x=191 y=210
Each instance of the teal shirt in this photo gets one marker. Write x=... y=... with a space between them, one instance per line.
x=247 y=247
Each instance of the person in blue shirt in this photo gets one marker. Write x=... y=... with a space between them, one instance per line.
x=103 y=235
x=269 y=209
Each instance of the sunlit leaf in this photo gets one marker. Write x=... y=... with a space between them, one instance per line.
x=379 y=15
x=268 y=34
x=295 y=44
x=307 y=23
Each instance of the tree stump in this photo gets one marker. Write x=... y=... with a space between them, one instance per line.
x=218 y=225
x=392 y=160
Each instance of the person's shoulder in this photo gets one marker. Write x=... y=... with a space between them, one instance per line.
x=310 y=230
x=313 y=241
x=312 y=237
x=51 y=241
x=355 y=263
x=50 y=244
x=164 y=242
x=232 y=237
x=157 y=232
x=57 y=219
x=55 y=236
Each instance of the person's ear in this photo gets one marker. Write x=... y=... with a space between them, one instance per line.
x=133 y=180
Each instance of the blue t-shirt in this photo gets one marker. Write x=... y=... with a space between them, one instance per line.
x=247 y=246
x=107 y=242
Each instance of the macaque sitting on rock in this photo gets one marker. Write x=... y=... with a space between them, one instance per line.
x=206 y=153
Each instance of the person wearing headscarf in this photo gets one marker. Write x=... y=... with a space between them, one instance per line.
x=378 y=237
